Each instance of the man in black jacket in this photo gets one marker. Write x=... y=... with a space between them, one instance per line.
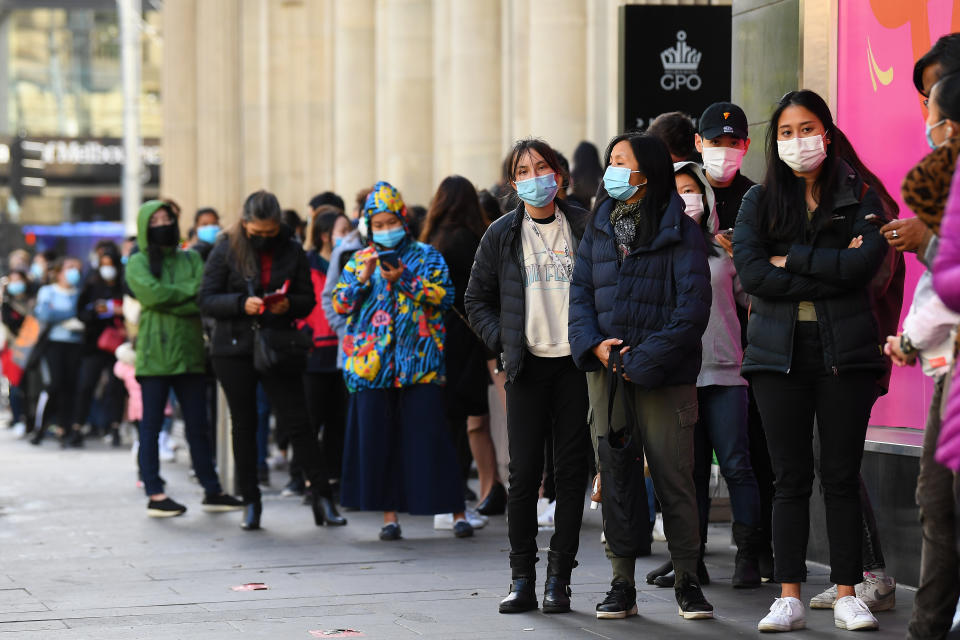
x=517 y=300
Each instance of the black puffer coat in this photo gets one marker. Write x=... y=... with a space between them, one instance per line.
x=822 y=270
x=495 y=299
x=225 y=289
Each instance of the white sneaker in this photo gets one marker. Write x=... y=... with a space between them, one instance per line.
x=850 y=613
x=786 y=614
x=444 y=521
x=20 y=429
x=825 y=599
x=167 y=450
x=878 y=593
x=658 y=534
x=545 y=519
x=542 y=504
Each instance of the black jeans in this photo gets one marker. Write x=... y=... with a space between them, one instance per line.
x=547 y=399
x=190 y=390
x=841 y=404
x=92 y=366
x=62 y=360
x=326 y=397
x=239 y=381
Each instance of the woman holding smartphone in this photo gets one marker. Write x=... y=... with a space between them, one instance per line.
x=806 y=253
x=398 y=456
x=257 y=274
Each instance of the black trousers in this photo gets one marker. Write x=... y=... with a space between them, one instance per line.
x=548 y=399
x=63 y=362
x=840 y=404
x=92 y=366
x=326 y=397
x=239 y=381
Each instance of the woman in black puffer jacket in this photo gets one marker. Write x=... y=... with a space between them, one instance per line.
x=806 y=251
x=256 y=257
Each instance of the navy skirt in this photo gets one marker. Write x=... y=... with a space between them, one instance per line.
x=397 y=454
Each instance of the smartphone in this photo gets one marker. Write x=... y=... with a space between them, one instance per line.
x=390 y=258
x=727 y=233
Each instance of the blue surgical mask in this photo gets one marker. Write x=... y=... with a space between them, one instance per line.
x=337 y=242
x=208 y=233
x=539 y=191
x=73 y=276
x=930 y=128
x=390 y=237
x=36 y=270
x=616 y=180
x=16 y=288
x=124 y=259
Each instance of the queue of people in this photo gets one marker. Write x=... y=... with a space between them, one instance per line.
x=756 y=323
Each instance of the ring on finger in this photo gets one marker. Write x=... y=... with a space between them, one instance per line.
x=895 y=234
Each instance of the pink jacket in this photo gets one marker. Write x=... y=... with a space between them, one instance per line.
x=946 y=282
x=128 y=373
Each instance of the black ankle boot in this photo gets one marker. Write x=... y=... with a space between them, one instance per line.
x=556 y=591
x=522 y=596
x=665 y=569
x=746 y=574
x=495 y=502
x=690 y=601
x=325 y=512
x=251 y=516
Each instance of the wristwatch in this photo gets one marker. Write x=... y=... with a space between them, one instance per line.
x=906 y=347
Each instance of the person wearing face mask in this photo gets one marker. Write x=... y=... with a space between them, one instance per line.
x=724 y=140
x=806 y=252
x=16 y=306
x=56 y=309
x=721 y=390
x=206 y=225
x=398 y=456
x=325 y=391
x=641 y=292
x=100 y=308
x=170 y=356
x=256 y=286
x=517 y=299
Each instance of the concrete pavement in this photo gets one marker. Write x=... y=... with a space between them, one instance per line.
x=79 y=559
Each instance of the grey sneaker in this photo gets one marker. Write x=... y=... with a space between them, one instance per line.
x=879 y=594
x=824 y=600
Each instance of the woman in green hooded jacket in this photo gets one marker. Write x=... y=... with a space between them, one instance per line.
x=170 y=355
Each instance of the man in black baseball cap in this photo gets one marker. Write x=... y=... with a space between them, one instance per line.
x=723 y=140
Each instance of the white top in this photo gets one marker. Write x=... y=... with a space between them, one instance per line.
x=547 y=265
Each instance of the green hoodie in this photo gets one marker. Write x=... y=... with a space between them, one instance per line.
x=170 y=339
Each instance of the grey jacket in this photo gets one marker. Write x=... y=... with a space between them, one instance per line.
x=337 y=322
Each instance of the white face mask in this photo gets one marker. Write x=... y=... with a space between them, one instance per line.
x=802 y=154
x=108 y=272
x=693 y=205
x=722 y=163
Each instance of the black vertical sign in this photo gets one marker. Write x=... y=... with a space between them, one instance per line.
x=672 y=59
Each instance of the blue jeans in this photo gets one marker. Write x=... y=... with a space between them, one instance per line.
x=191 y=393
x=16 y=404
x=723 y=428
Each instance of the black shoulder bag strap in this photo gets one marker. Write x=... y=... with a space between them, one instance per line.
x=614 y=380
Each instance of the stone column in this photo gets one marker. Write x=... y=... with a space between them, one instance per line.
x=354 y=87
x=404 y=97
x=515 y=78
x=178 y=175
x=218 y=80
x=474 y=104
x=557 y=54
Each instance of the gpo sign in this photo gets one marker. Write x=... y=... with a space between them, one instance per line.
x=680 y=65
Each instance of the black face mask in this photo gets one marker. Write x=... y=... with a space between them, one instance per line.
x=164 y=235
x=262 y=243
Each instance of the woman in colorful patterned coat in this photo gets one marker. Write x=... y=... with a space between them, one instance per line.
x=397 y=455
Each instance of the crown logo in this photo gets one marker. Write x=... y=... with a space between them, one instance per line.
x=681 y=58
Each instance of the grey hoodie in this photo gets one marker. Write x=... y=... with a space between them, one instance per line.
x=722 y=351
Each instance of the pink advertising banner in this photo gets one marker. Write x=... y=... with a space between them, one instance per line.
x=881 y=112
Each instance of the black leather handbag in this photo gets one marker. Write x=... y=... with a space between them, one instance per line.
x=280 y=351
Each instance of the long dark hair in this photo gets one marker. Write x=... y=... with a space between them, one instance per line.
x=454 y=206
x=259 y=205
x=587 y=171
x=654 y=162
x=323 y=223
x=783 y=206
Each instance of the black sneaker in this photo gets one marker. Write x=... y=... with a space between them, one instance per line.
x=390 y=531
x=690 y=601
x=223 y=502
x=462 y=529
x=165 y=508
x=621 y=601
